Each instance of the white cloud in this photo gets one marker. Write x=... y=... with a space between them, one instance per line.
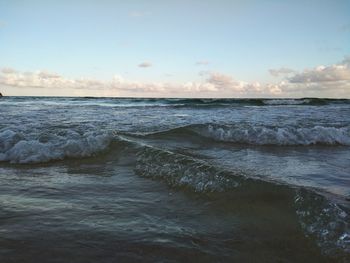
x=281 y=71
x=121 y=84
x=8 y=70
x=332 y=73
x=145 y=64
x=44 y=79
x=322 y=81
x=215 y=84
x=339 y=89
x=226 y=84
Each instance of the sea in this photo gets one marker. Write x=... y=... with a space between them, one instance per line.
x=174 y=180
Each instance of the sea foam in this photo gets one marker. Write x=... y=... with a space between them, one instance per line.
x=263 y=135
x=18 y=147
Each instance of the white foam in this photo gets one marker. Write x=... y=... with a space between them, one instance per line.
x=16 y=147
x=327 y=222
x=260 y=135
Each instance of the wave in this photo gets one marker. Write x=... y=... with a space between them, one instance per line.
x=326 y=222
x=321 y=219
x=18 y=147
x=266 y=135
x=305 y=101
x=193 y=102
x=248 y=102
x=58 y=144
x=182 y=102
x=182 y=171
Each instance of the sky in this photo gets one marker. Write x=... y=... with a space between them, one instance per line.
x=175 y=48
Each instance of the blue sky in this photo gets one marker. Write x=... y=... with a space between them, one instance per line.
x=240 y=39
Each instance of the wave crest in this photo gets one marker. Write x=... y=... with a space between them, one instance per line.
x=262 y=135
x=16 y=147
x=182 y=171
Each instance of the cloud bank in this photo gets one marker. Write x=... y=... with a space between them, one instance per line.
x=321 y=81
x=334 y=73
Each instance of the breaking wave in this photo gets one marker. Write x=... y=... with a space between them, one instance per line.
x=18 y=147
x=266 y=135
x=321 y=219
x=261 y=135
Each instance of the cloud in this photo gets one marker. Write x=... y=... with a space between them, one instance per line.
x=145 y=65
x=215 y=84
x=338 y=72
x=202 y=63
x=321 y=81
x=48 y=75
x=8 y=71
x=326 y=89
x=44 y=79
x=281 y=71
x=121 y=84
x=49 y=80
x=227 y=85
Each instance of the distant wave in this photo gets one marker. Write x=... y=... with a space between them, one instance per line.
x=181 y=102
x=265 y=135
x=305 y=101
x=228 y=101
x=250 y=102
x=243 y=102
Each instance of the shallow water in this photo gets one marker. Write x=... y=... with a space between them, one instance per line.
x=173 y=180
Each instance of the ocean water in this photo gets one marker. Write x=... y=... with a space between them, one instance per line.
x=174 y=180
